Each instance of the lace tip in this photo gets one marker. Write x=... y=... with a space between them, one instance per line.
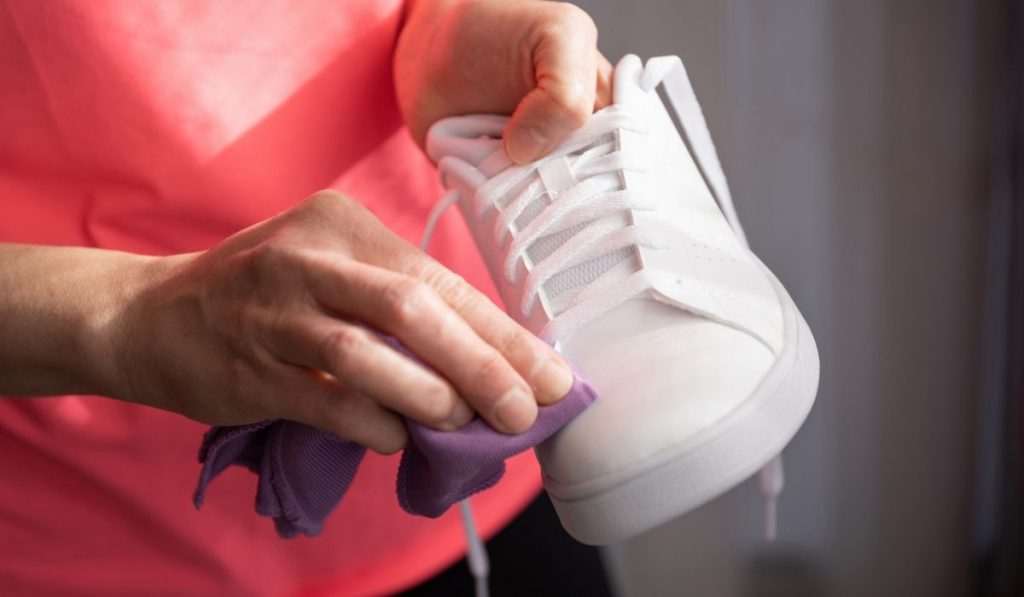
x=771 y=480
x=770 y=519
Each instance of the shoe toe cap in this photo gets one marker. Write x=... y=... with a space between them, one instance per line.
x=663 y=377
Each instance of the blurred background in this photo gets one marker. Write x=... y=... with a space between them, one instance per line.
x=874 y=149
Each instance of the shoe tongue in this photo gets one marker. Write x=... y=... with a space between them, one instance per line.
x=626 y=88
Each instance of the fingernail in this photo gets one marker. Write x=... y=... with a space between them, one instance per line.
x=461 y=414
x=515 y=411
x=526 y=144
x=551 y=378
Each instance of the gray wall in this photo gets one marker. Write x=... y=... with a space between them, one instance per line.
x=857 y=138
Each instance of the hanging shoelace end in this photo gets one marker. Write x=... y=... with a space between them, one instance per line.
x=450 y=199
x=770 y=519
x=476 y=552
x=771 y=481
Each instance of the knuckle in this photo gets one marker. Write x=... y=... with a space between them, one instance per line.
x=406 y=300
x=272 y=256
x=563 y=18
x=326 y=207
x=575 y=16
x=449 y=284
x=492 y=367
x=572 y=101
x=513 y=342
x=437 y=409
x=340 y=347
x=549 y=32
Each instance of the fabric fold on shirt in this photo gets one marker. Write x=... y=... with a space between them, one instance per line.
x=304 y=471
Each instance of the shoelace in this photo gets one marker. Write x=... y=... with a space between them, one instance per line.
x=588 y=200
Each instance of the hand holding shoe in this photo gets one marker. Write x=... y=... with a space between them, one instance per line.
x=535 y=60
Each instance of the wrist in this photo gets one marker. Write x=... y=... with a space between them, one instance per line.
x=113 y=329
x=97 y=333
x=60 y=317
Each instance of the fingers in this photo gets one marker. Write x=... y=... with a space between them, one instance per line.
x=414 y=313
x=565 y=62
x=536 y=362
x=323 y=402
x=547 y=373
x=364 y=363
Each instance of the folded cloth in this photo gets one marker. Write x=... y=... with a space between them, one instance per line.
x=304 y=471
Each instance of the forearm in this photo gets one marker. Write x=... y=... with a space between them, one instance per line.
x=58 y=314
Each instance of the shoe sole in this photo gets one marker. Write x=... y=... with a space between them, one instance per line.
x=629 y=502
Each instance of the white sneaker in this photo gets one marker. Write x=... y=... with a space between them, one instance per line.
x=614 y=249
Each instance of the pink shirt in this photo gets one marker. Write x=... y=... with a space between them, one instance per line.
x=163 y=127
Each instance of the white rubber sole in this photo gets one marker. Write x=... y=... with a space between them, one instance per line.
x=650 y=493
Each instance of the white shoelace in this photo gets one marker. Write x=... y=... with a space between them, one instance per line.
x=589 y=198
x=583 y=205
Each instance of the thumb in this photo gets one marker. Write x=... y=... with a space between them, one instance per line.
x=565 y=61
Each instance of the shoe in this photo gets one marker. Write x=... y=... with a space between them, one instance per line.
x=622 y=249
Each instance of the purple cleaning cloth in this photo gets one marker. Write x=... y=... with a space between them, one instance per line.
x=305 y=471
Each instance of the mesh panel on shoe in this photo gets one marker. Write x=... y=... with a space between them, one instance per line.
x=588 y=271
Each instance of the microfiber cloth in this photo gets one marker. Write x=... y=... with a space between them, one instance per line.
x=304 y=471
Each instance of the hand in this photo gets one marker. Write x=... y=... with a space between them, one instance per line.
x=535 y=60
x=266 y=325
